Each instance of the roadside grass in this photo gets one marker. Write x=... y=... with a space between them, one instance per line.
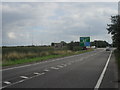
x=37 y=59
x=117 y=56
x=16 y=53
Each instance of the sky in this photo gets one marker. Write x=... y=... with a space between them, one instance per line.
x=40 y=23
x=119 y=8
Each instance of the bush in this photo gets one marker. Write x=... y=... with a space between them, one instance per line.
x=77 y=48
x=117 y=56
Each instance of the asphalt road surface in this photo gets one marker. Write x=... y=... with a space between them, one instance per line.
x=96 y=69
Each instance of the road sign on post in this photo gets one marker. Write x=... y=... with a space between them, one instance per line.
x=84 y=41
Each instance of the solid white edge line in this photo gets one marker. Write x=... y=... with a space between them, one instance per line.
x=102 y=74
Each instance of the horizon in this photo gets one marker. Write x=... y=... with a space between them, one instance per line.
x=46 y=45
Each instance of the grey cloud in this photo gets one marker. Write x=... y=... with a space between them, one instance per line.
x=48 y=22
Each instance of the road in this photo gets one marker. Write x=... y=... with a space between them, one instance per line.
x=95 y=69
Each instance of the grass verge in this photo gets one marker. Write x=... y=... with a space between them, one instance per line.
x=36 y=59
x=117 y=56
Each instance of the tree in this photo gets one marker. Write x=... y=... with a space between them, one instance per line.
x=64 y=43
x=100 y=43
x=70 y=45
x=114 y=30
x=52 y=44
x=74 y=46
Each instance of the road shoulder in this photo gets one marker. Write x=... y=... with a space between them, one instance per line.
x=110 y=79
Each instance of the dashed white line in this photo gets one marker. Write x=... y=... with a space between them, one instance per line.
x=24 y=77
x=41 y=73
x=59 y=66
x=21 y=81
x=7 y=82
x=46 y=70
x=36 y=73
x=54 y=68
x=10 y=84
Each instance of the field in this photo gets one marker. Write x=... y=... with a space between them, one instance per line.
x=14 y=53
x=20 y=55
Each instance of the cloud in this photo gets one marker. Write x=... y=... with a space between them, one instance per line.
x=119 y=7
x=11 y=35
x=52 y=22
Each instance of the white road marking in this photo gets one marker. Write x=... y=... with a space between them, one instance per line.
x=13 y=84
x=24 y=77
x=42 y=73
x=59 y=66
x=46 y=70
x=102 y=74
x=21 y=80
x=54 y=68
x=64 y=65
x=36 y=73
x=7 y=82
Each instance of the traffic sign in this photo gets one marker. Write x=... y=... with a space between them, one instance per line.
x=84 y=41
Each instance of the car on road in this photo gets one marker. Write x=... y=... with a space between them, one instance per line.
x=107 y=48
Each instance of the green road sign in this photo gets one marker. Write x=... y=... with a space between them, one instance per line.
x=84 y=41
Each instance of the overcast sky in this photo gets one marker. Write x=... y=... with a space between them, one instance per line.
x=41 y=23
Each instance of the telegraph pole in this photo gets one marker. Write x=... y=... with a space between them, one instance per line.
x=32 y=38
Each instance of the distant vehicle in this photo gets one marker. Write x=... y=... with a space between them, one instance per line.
x=107 y=48
x=84 y=48
x=93 y=47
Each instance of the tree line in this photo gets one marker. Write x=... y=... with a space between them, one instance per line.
x=75 y=45
x=114 y=30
